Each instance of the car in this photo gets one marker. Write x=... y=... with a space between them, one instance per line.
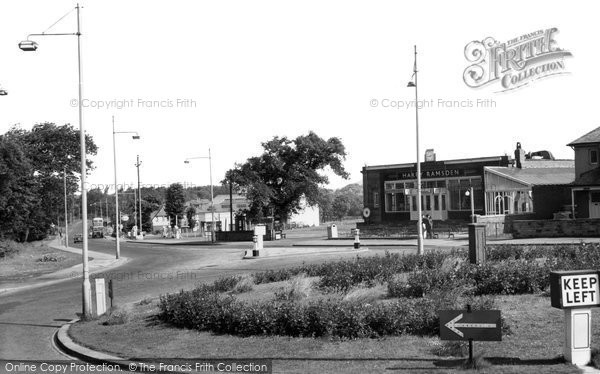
x=78 y=238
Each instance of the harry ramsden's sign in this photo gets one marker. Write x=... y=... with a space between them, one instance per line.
x=574 y=289
x=431 y=174
x=516 y=62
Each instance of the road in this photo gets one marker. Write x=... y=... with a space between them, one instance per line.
x=29 y=318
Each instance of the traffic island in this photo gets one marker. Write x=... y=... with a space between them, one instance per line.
x=533 y=345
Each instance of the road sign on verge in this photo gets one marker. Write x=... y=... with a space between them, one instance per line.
x=479 y=325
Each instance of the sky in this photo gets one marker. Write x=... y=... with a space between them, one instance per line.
x=228 y=75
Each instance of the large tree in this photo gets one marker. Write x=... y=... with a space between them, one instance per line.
x=174 y=202
x=52 y=153
x=287 y=171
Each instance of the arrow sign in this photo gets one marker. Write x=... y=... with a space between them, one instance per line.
x=477 y=325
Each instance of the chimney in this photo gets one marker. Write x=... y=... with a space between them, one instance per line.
x=519 y=156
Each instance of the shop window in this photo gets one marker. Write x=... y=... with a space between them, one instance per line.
x=414 y=203
x=595 y=196
x=443 y=202
x=593 y=156
x=396 y=202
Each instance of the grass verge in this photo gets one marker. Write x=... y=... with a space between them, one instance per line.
x=534 y=346
x=31 y=260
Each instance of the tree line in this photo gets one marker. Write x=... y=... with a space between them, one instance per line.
x=35 y=163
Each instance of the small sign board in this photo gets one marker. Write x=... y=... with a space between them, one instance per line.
x=575 y=289
x=479 y=325
x=260 y=230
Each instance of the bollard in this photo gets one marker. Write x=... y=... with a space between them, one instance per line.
x=255 y=250
x=477 y=241
x=100 y=297
x=356 y=239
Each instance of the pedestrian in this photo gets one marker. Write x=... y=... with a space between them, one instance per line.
x=425 y=227
x=429 y=226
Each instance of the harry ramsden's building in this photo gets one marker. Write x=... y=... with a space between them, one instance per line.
x=501 y=185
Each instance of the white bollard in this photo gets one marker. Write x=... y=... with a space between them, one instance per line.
x=100 y=297
x=356 y=239
x=578 y=334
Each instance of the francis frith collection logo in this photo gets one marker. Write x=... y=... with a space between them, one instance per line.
x=514 y=63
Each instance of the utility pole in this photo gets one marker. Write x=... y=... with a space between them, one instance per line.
x=137 y=165
x=66 y=208
x=230 y=204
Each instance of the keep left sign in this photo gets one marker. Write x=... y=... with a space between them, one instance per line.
x=575 y=289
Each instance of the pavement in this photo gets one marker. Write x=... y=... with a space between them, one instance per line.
x=99 y=262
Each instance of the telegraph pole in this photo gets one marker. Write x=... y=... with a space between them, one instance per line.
x=137 y=165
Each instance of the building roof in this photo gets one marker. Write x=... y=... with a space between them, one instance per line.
x=159 y=213
x=536 y=176
x=497 y=159
x=589 y=138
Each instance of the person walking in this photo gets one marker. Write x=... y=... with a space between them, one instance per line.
x=429 y=226
x=426 y=227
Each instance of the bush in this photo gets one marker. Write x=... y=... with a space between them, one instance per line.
x=297 y=288
x=509 y=277
x=203 y=309
x=117 y=316
x=8 y=248
x=225 y=284
x=245 y=284
x=50 y=257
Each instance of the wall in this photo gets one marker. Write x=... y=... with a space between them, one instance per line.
x=499 y=225
x=556 y=228
x=582 y=159
x=550 y=199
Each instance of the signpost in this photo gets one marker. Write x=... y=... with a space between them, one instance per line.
x=480 y=325
x=576 y=292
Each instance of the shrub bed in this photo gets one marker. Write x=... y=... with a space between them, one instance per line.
x=343 y=275
x=205 y=309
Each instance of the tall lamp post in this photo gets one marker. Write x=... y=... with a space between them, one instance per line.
x=136 y=136
x=419 y=208
x=137 y=165
x=66 y=208
x=31 y=46
x=212 y=204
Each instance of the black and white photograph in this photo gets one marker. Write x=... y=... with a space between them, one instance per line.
x=299 y=187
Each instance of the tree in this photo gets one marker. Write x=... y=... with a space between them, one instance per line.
x=190 y=215
x=287 y=171
x=17 y=191
x=325 y=202
x=354 y=194
x=341 y=206
x=174 y=202
x=52 y=153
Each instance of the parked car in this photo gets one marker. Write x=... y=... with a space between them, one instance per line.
x=78 y=238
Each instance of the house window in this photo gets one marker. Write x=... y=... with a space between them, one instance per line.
x=593 y=156
x=376 y=199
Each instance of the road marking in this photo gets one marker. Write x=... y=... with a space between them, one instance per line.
x=453 y=325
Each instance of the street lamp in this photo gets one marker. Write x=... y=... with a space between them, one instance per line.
x=117 y=215
x=31 y=46
x=468 y=193
x=212 y=204
x=419 y=208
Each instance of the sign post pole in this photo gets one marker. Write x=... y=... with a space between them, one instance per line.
x=576 y=292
